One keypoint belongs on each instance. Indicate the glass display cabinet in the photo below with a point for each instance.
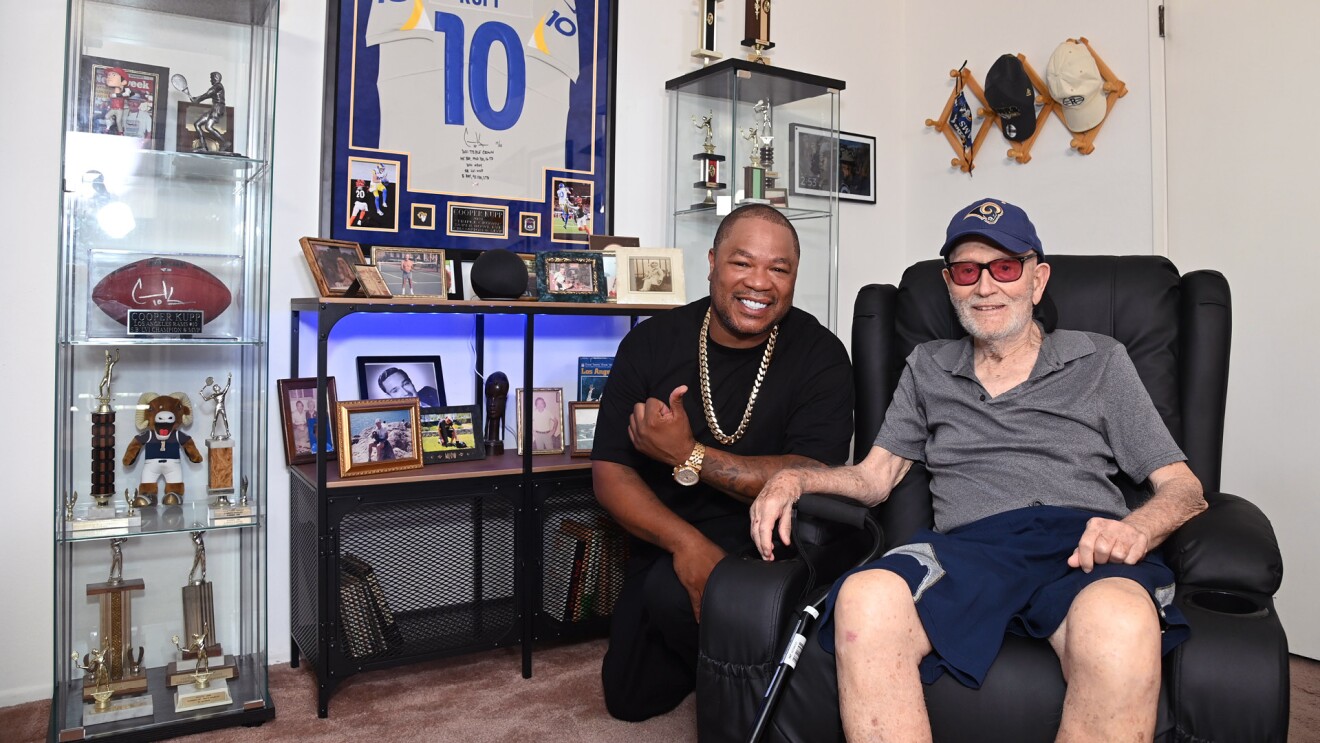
(160, 483)
(745, 133)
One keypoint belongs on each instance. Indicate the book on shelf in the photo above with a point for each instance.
(563, 557)
(586, 565)
(368, 623)
(592, 373)
(380, 605)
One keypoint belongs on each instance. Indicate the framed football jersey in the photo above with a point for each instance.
(473, 111)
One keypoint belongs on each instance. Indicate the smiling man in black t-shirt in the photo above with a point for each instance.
(704, 404)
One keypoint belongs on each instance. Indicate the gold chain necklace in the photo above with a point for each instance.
(706, 401)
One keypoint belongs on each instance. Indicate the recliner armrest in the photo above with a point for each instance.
(1230, 546)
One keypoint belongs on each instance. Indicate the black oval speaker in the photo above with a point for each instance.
(498, 274)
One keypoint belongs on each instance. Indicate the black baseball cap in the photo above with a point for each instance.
(1010, 93)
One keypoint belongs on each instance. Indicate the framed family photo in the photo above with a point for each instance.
(378, 436)
(570, 276)
(812, 172)
(451, 434)
(547, 420)
(651, 276)
(582, 427)
(331, 263)
(299, 417)
(386, 377)
(412, 272)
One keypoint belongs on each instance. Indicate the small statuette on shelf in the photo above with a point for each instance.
(753, 173)
(206, 137)
(119, 664)
(497, 398)
(99, 693)
(705, 50)
(766, 141)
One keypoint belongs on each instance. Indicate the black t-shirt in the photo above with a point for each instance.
(804, 407)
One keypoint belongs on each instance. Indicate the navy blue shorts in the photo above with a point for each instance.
(1005, 573)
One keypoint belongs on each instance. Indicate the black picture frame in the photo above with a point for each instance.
(423, 373)
(468, 434)
(811, 150)
(147, 83)
(571, 276)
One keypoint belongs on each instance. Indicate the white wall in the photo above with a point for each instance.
(895, 57)
(1243, 205)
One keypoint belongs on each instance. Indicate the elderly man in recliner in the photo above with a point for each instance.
(1021, 431)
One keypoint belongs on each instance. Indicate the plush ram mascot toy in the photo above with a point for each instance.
(160, 417)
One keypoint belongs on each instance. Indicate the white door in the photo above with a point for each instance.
(1243, 144)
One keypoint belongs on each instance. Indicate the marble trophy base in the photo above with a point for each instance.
(121, 708)
(104, 519)
(188, 697)
(179, 672)
(224, 513)
(220, 466)
(127, 685)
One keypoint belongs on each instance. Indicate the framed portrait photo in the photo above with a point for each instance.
(519, 101)
(378, 436)
(412, 272)
(570, 276)
(123, 99)
(395, 377)
(331, 263)
(547, 420)
(651, 276)
(531, 294)
(452, 434)
(582, 427)
(299, 416)
(811, 159)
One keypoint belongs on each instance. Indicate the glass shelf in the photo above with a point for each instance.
(187, 517)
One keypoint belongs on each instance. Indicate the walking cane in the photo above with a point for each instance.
(855, 515)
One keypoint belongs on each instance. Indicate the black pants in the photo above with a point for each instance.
(651, 664)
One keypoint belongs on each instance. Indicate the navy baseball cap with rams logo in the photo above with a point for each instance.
(997, 222)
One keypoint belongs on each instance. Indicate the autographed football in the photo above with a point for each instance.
(160, 284)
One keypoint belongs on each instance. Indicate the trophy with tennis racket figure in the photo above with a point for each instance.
(208, 138)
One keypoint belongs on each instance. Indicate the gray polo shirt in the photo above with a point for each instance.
(1056, 439)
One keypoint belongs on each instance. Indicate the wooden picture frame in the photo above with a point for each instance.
(551, 441)
(651, 276)
(331, 263)
(582, 427)
(370, 283)
(377, 436)
(424, 278)
(452, 434)
(609, 245)
(300, 445)
(571, 276)
(422, 377)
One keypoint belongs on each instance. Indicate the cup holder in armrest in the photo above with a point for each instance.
(1226, 602)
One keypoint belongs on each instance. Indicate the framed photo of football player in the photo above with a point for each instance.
(570, 219)
(331, 263)
(372, 195)
(123, 99)
(516, 100)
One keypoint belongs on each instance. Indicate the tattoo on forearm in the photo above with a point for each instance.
(743, 477)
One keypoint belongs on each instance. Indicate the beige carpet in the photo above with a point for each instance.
(483, 698)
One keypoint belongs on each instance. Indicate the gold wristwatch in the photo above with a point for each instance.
(689, 472)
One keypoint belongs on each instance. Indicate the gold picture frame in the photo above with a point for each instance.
(377, 436)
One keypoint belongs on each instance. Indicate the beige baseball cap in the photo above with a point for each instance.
(1074, 81)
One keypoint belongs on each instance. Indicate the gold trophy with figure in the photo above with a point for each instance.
(115, 668)
(199, 621)
(757, 31)
(103, 513)
(708, 162)
(201, 687)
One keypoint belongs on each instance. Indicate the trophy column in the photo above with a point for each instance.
(753, 174)
(705, 50)
(757, 31)
(708, 162)
(115, 669)
(103, 444)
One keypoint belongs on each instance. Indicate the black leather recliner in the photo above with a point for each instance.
(1229, 682)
